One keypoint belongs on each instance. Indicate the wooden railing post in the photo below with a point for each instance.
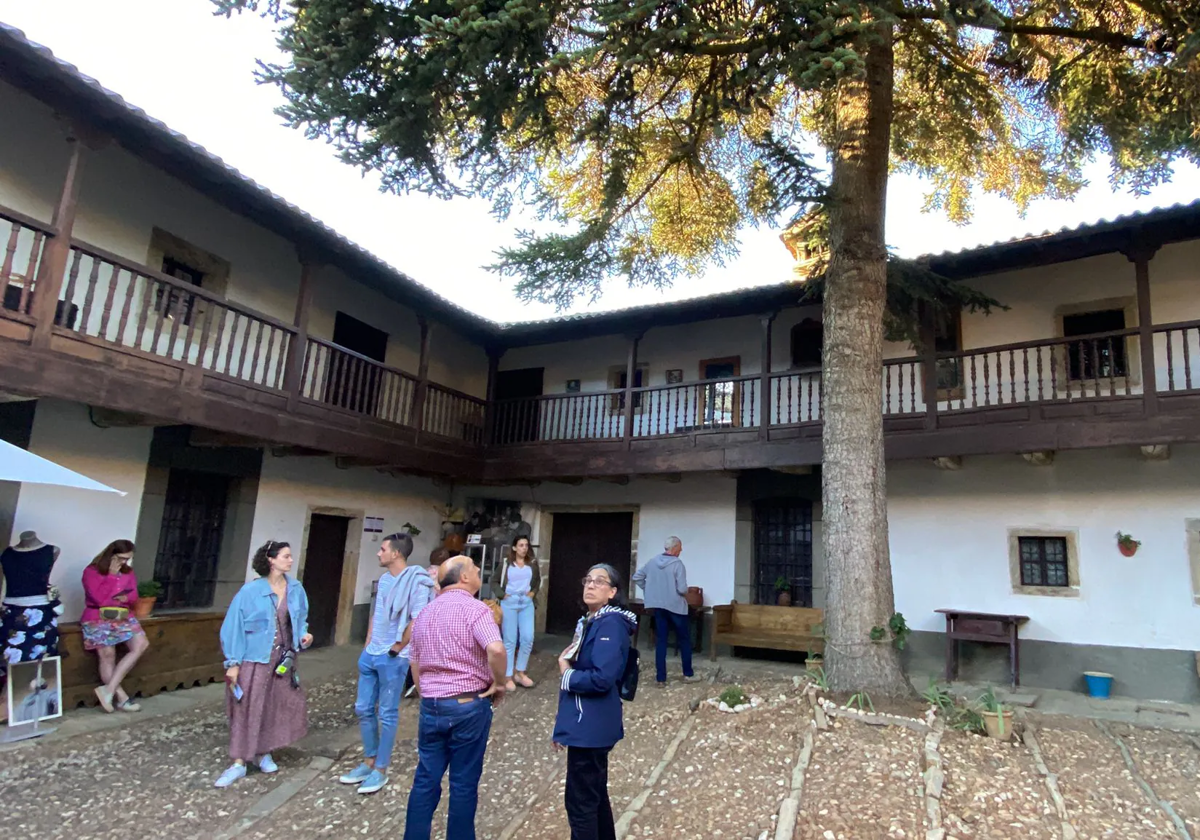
(422, 391)
(928, 339)
(490, 419)
(53, 266)
(630, 373)
(764, 396)
(293, 377)
(1140, 255)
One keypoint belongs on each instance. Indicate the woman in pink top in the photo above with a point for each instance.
(110, 589)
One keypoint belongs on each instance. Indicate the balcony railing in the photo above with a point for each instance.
(23, 239)
(347, 380)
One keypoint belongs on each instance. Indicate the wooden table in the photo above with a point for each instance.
(966, 626)
(695, 619)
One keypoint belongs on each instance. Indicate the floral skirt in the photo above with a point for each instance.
(27, 633)
(106, 633)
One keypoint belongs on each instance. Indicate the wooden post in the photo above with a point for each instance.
(293, 377)
(764, 396)
(489, 422)
(422, 378)
(53, 266)
(630, 372)
(1140, 255)
(928, 337)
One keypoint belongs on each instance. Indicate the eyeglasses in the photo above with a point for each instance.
(595, 581)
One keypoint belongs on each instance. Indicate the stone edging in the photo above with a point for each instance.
(634, 808)
(1180, 827)
(1060, 804)
(933, 778)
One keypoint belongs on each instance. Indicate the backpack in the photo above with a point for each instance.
(628, 685)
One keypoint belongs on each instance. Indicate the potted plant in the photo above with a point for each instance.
(997, 718)
(783, 591)
(148, 592)
(1127, 544)
(814, 662)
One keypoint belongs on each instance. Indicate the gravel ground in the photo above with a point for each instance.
(863, 782)
(153, 778)
(993, 790)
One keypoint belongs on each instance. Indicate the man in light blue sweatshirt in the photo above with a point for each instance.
(664, 581)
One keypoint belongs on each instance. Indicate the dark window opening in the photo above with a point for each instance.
(619, 378)
(189, 542)
(171, 301)
(1095, 358)
(807, 338)
(1043, 561)
(947, 338)
(783, 549)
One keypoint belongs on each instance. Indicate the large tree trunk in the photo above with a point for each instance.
(854, 492)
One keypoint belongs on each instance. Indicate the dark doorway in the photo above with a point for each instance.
(189, 539)
(783, 549)
(517, 420)
(352, 382)
(579, 541)
(324, 557)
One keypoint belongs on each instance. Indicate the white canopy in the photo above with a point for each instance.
(16, 464)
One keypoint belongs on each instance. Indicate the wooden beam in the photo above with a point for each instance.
(418, 415)
(929, 364)
(109, 419)
(1140, 256)
(49, 282)
(210, 438)
(630, 371)
(494, 355)
(293, 376)
(764, 396)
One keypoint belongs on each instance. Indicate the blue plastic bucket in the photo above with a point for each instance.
(1099, 684)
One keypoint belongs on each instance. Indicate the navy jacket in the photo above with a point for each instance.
(589, 707)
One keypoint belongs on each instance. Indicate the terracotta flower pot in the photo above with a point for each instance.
(695, 596)
(1127, 549)
(814, 665)
(991, 722)
(142, 607)
(784, 599)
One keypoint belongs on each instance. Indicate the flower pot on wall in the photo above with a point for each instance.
(695, 596)
(784, 599)
(1127, 549)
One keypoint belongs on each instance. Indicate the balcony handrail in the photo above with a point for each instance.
(446, 389)
(565, 395)
(337, 348)
(185, 287)
(1041, 342)
(1178, 325)
(20, 218)
(695, 383)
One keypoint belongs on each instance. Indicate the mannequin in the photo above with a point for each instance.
(30, 609)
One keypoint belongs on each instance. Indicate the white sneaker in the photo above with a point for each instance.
(231, 775)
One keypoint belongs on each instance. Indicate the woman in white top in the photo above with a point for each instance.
(519, 583)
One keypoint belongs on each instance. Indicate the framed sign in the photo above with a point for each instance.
(474, 539)
(34, 691)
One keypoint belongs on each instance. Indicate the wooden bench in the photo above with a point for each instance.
(768, 627)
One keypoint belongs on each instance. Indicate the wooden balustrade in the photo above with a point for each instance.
(342, 378)
(902, 391)
(1176, 364)
(594, 415)
(23, 239)
(117, 302)
(795, 398)
(706, 405)
(453, 414)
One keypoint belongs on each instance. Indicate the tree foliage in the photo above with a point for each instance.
(652, 131)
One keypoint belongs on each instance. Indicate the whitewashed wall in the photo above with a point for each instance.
(83, 522)
(700, 510)
(290, 487)
(949, 543)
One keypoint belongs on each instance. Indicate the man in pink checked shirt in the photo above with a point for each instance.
(458, 665)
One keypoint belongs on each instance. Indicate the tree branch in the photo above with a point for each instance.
(1094, 35)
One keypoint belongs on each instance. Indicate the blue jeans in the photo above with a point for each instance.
(518, 621)
(380, 683)
(663, 621)
(452, 734)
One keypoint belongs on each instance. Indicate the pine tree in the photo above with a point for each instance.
(654, 131)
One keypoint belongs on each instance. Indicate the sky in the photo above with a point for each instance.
(195, 72)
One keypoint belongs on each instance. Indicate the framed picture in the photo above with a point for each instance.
(572, 386)
(474, 539)
(34, 691)
(674, 377)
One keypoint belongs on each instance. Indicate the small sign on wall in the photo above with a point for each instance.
(373, 525)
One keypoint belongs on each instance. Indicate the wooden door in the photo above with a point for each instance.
(518, 415)
(579, 541)
(324, 557)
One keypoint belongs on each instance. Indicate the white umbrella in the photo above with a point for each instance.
(17, 464)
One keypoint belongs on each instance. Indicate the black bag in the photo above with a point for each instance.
(628, 685)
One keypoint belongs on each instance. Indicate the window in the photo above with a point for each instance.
(618, 376)
(947, 338)
(1043, 561)
(1095, 358)
(177, 301)
(807, 338)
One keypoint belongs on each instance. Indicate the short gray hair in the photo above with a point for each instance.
(672, 543)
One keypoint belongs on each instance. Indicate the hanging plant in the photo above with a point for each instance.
(1127, 544)
(410, 528)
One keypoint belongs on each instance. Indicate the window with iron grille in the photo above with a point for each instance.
(1044, 561)
(177, 301)
(189, 542)
(783, 549)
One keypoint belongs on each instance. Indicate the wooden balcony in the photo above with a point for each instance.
(131, 339)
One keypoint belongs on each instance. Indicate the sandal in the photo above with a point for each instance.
(105, 698)
(524, 681)
(128, 706)
(510, 686)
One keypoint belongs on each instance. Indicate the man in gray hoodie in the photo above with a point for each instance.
(664, 580)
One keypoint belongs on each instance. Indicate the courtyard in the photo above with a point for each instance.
(685, 770)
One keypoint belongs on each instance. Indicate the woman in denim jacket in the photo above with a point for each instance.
(267, 623)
